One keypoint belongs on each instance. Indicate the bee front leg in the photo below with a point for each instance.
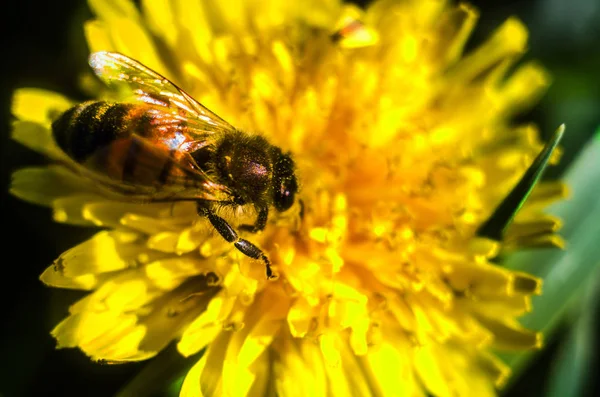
(261, 221)
(230, 235)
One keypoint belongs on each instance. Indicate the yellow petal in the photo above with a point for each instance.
(487, 280)
(354, 372)
(343, 373)
(167, 315)
(510, 335)
(495, 368)
(299, 359)
(187, 240)
(428, 369)
(43, 185)
(97, 37)
(455, 27)
(191, 238)
(391, 371)
(300, 317)
(262, 323)
(237, 380)
(70, 209)
(103, 336)
(109, 9)
(508, 41)
(119, 28)
(54, 278)
(464, 378)
(194, 26)
(129, 38)
(262, 333)
(146, 224)
(159, 16)
(164, 242)
(38, 106)
(211, 377)
(36, 137)
(548, 192)
(191, 383)
(524, 88)
(110, 212)
(103, 253)
(320, 13)
(230, 16)
(168, 272)
(329, 344)
(124, 292)
(262, 377)
(352, 31)
(144, 320)
(358, 337)
(205, 328)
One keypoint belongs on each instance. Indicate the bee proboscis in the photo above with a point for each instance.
(163, 145)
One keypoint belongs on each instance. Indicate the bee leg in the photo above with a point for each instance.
(261, 221)
(251, 250)
(230, 235)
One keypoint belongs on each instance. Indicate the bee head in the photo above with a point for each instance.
(284, 179)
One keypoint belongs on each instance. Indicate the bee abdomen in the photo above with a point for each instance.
(85, 128)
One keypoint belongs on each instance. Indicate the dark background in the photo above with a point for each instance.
(43, 46)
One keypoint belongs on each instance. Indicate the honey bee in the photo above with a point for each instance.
(162, 145)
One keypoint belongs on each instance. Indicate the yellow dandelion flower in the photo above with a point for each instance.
(403, 146)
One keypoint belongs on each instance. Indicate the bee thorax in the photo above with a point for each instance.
(244, 164)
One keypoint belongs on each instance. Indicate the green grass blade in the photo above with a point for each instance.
(503, 215)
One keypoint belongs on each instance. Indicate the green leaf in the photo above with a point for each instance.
(571, 367)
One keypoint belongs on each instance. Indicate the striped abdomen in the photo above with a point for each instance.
(126, 142)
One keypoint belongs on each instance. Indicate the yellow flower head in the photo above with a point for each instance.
(403, 148)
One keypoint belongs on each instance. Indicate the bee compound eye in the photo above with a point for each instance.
(284, 198)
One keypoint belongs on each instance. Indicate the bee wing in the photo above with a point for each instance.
(118, 70)
(147, 172)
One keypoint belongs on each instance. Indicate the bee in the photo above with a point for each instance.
(162, 145)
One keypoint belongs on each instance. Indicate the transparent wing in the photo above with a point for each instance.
(143, 171)
(120, 71)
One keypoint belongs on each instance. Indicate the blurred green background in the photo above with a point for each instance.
(43, 46)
